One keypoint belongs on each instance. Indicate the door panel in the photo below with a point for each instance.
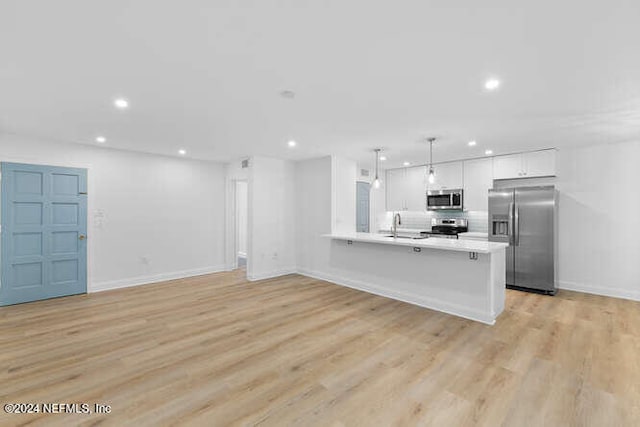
(535, 244)
(44, 216)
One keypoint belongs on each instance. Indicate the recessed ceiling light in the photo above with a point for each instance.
(406, 164)
(472, 143)
(182, 152)
(291, 143)
(492, 84)
(488, 152)
(121, 103)
(101, 139)
(383, 158)
(288, 94)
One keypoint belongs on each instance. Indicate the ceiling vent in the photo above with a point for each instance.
(245, 163)
(364, 172)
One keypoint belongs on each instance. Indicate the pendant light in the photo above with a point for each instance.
(376, 181)
(432, 173)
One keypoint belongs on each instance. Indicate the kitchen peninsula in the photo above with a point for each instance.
(465, 278)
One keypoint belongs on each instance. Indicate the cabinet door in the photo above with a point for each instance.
(416, 188)
(478, 179)
(448, 176)
(395, 186)
(540, 163)
(507, 167)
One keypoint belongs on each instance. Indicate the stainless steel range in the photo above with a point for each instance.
(448, 228)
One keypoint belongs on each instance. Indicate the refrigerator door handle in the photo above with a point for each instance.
(516, 225)
(511, 226)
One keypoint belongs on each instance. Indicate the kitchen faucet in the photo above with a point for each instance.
(396, 222)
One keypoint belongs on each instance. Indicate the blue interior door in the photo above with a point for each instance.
(44, 227)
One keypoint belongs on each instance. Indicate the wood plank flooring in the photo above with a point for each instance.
(217, 350)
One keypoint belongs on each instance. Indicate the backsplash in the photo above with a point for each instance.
(478, 220)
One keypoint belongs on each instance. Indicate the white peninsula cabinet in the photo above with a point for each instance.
(406, 189)
(478, 179)
(525, 165)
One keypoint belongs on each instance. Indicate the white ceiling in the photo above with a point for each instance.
(206, 75)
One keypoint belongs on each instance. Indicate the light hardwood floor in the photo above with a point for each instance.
(217, 350)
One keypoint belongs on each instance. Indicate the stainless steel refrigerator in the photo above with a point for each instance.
(525, 218)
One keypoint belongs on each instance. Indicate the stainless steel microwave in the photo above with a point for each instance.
(445, 200)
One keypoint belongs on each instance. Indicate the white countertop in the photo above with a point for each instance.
(405, 230)
(430, 243)
(474, 234)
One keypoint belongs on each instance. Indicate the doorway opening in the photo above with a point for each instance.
(241, 213)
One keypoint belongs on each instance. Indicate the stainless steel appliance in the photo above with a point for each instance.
(448, 228)
(525, 219)
(444, 200)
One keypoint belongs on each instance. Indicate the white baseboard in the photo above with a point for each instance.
(144, 280)
(600, 290)
(430, 303)
(242, 254)
(271, 274)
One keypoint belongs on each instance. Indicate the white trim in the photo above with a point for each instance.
(271, 274)
(600, 290)
(242, 254)
(430, 303)
(144, 280)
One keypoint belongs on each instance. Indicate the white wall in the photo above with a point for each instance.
(241, 212)
(313, 213)
(150, 217)
(326, 203)
(344, 172)
(599, 219)
(271, 225)
(377, 198)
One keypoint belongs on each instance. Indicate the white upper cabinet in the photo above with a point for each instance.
(540, 163)
(507, 167)
(416, 188)
(448, 176)
(406, 189)
(478, 179)
(525, 165)
(395, 189)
